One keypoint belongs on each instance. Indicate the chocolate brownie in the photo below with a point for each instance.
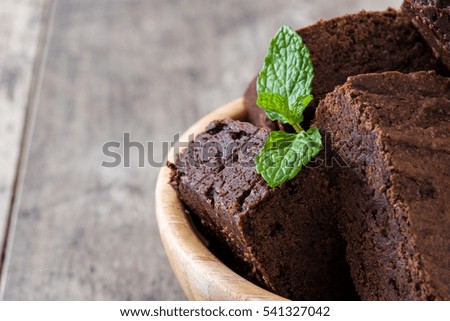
(393, 131)
(432, 19)
(284, 235)
(354, 44)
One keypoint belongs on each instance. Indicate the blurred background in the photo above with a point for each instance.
(75, 74)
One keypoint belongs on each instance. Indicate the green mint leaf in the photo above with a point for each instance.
(284, 154)
(277, 107)
(285, 81)
(284, 91)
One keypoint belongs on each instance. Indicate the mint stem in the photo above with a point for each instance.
(297, 128)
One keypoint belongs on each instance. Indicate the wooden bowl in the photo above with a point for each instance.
(201, 274)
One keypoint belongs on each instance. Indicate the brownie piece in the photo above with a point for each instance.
(285, 235)
(432, 19)
(365, 42)
(393, 198)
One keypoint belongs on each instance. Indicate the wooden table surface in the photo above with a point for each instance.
(75, 74)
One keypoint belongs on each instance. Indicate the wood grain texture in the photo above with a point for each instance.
(148, 68)
(20, 25)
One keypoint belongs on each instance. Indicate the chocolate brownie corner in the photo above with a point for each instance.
(286, 235)
(432, 19)
(392, 130)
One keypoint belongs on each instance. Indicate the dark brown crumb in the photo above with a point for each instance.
(285, 236)
(393, 131)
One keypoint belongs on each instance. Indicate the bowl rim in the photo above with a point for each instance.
(212, 279)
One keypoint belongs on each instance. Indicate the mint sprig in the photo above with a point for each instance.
(284, 154)
(286, 77)
(285, 90)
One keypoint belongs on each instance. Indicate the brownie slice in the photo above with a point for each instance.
(432, 19)
(365, 42)
(285, 235)
(393, 198)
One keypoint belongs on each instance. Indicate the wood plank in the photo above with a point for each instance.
(148, 68)
(20, 22)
